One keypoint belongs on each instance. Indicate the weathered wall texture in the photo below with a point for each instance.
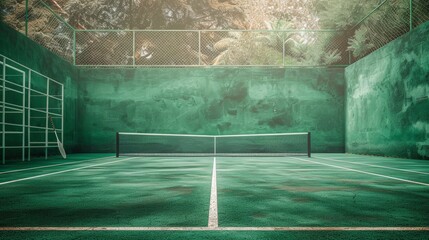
(21, 49)
(387, 99)
(211, 101)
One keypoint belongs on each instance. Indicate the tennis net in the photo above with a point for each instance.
(153, 144)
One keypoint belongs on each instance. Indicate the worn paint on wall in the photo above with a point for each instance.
(21, 49)
(211, 101)
(100, 102)
(387, 99)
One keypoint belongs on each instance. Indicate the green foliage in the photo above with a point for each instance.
(160, 14)
(266, 48)
(359, 44)
(331, 57)
(248, 48)
(383, 25)
(340, 14)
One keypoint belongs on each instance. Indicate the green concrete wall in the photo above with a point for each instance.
(99, 102)
(387, 99)
(211, 101)
(21, 49)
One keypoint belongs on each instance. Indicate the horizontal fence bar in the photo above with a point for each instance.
(12, 124)
(26, 147)
(213, 66)
(13, 90)
(17, 107)
(50, 113)
(209, 30)
(12, 83)
(43, 142)
(12, 107)
(12, 132)
(13, 112)
(41, 145)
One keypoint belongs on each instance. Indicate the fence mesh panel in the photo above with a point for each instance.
(104, 48)
(43, 26)
(391, 19)
(167, 48)
(242, 48)
(420, 11)
(315, 48)
(387, 23)
(50, 31)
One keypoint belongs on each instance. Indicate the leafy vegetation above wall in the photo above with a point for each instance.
(359, 35)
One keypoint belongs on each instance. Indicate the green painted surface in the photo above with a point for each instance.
(388, 99)
(294, 192)
(252, 192)
(211, 101)
(217, 235)
(113, 192)
(19, 48)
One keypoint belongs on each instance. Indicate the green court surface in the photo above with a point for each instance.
(327, 196)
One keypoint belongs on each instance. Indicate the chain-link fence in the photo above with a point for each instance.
(158, 48)
(104, 48)
(210, 48)
(391, 19)
(50, 30)
(419, 12)
(35, 19)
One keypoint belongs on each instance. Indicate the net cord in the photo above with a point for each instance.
(308, 134)
(212, 136)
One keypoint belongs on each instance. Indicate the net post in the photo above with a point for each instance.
(309, 144)
(117, 144)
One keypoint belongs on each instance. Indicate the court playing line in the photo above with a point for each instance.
(371, 165)
(368, 173)
(213, 215)
(214, 229)
(53, 165)
(64, 171)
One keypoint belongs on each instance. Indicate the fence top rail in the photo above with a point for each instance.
(209, 30)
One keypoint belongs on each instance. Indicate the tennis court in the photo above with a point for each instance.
(335, 195)
(214, 119)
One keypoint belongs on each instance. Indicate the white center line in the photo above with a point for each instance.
(213, 217)
(364, 172)
(64, 171)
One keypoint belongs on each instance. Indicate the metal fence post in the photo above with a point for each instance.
(134, 48)
(411, 15)
(199, 47)
(283, 48)
(74, 47)
(26, 17)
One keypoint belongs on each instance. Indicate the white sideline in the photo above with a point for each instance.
(53, 165)
(364, 172)
(372, 165)
(64, 171)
